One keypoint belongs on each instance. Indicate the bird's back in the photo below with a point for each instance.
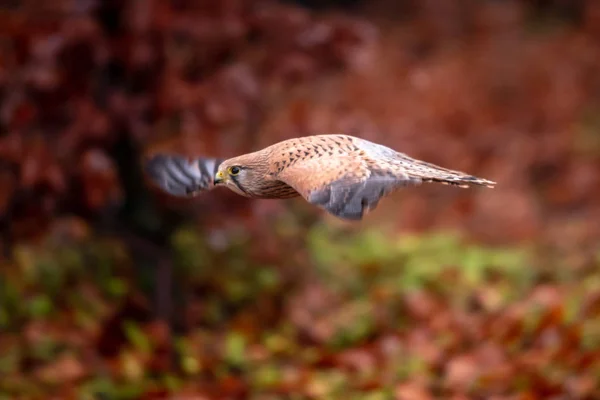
(316, 146)
(379, 159)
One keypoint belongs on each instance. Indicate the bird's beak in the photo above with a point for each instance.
(218, 178)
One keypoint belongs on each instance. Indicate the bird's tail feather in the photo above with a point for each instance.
(428, 172)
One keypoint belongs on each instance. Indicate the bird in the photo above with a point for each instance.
(344, 175)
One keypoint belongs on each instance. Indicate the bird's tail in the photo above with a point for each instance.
(428, 172)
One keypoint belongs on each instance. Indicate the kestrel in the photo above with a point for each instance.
(342, 174)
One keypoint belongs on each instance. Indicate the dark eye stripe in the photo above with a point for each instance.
(234, 179)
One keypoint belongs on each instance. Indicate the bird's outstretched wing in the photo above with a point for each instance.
(350, 185)
(180, 176)
(346, 186)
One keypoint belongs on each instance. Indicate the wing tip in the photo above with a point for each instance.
(178, 175)
(483, 182)
(465, 182)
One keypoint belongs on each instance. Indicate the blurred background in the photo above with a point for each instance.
(110, 289)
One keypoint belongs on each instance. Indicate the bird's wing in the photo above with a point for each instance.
(346, 185)
(180, 176)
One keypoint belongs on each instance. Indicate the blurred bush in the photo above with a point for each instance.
(420, 317)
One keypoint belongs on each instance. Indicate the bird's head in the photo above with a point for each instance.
(242, 175)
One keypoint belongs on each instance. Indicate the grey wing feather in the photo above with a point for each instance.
(351, 199)
(180, 176)
(345, 186)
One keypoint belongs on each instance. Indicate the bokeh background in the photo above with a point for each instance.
(110, 289)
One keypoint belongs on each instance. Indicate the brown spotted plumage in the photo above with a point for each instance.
(344, 175)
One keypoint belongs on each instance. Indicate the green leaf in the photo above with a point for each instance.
(235, 349)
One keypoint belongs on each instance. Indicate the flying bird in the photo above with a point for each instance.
(344, 175)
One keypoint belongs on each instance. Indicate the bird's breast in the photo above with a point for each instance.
(274, 189)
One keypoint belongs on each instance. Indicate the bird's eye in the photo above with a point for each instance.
(234, 170)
